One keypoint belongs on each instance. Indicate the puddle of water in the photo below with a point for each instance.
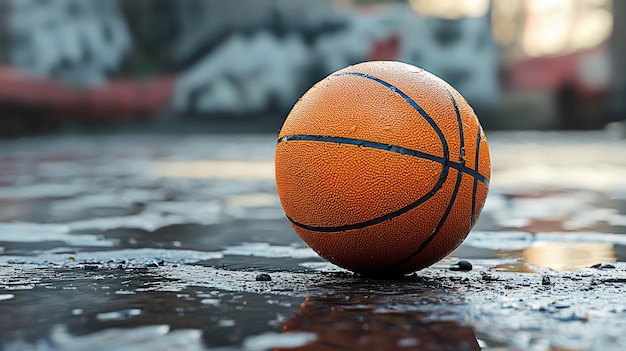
(275, 341)
(153, 337)
(146, 221)
(127, 258)
(559, 251)
(42, 191)
(118, 315)
(270, 251)
(519, 267)
(4, 297)
(553, 209)
(41, 233)
(561, 256)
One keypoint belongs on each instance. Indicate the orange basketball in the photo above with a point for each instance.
(382, 168)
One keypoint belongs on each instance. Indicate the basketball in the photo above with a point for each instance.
(382, 168)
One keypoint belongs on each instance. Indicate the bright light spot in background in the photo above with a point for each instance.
(559, 26)
(547, 26)
(214, 169)
(592, 29)
(450, 9)
(504, 16)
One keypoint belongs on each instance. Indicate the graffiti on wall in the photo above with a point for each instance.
(261, 68)
(72, 40)
(250, 73)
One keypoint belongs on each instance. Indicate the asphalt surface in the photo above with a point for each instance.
(169, 242)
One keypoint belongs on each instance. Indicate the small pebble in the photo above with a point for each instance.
(488, 277)
(263, 277)
(545, 280)
(153, 264)
(462, 265)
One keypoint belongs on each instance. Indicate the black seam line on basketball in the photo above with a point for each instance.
(475, 180)
(461, 139)
(415, 105)
(432, 236)
(364, 143)
(383, 218)
(460, 124)
(457, 185)
(385, 147)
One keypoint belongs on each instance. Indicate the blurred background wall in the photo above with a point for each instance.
(522, 64)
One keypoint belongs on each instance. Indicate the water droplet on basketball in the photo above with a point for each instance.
(352, 129)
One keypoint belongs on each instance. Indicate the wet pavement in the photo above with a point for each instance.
(126, 242)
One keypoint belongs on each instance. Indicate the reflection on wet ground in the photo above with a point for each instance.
(124, 242)
(357, 321)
